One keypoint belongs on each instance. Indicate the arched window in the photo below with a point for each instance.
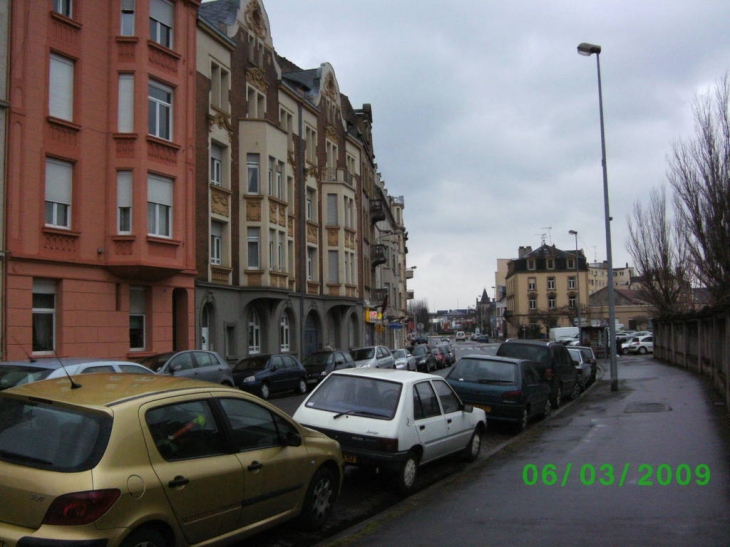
(284, 333)
(254, 333)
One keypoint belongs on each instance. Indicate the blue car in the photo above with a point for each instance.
(264, 374)
(508, 390)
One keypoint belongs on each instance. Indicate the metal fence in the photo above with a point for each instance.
(699, 342)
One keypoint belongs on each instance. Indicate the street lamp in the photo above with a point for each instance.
(588, 50)
(577, 284)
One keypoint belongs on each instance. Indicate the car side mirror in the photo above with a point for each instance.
(292, 439)
(468, 408)
(175, 368)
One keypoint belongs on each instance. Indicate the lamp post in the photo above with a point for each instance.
(588, 50)
(577, 285)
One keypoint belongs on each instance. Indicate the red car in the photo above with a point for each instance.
(441, 358)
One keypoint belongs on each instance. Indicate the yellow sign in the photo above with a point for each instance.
(372, 316)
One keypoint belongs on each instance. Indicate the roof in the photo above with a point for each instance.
(402, 376)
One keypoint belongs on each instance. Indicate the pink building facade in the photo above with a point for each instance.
(100, 243)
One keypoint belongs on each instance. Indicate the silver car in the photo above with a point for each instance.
(404, 360)
(195, 364)
(373, 357)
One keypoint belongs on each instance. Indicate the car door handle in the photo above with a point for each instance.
(421, 427)
(178, 481)
(255, 466)
(448, 421)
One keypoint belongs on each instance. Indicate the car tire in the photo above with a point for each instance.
(302, 386)
(145, 537)
(524, 420)
(471, 450)
(265, 391)
(319, 500)
(406, 473)
(547, 410)
(557, 399)
(642, 350)
(625, 351)
(577, 390)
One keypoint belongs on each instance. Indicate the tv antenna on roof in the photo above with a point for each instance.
(550, 237)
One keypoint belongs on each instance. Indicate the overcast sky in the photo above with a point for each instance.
(486, 118)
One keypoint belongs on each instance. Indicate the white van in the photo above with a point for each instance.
(461, 335)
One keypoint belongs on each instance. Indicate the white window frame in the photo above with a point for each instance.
(254, 333)
(216, 164)
(333, 266)
(138, 310)
(162, 19)
(311, 262)
(160, 115)
(61, 87)
(332, 210)
(125, 186)
(127, 23)
(64, 7)
(272, 250)
(253, 174)
(551, 283)
(58, 193)
(571, 283)
(160, 199)
(41, 311)
(125, 105)
(310, 204)
(532, 303)
(216, 243)
(551, 303)
(253, 246)
(284, 333)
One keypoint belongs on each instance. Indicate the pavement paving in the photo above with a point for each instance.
(645, 465)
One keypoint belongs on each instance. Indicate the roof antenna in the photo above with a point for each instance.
(74, 385)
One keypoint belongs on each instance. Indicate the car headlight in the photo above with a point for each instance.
(249, 379)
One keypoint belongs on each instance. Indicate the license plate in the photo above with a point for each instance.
(485, 408)
(349, 458)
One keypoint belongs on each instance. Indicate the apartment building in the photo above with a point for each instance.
(287, 199)
(4, 104)
(543, 289)
(99, 211)
(623, 277)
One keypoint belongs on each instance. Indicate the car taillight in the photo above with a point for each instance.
(388, 445)
(548, 374)
(80, 507)
(512, 395)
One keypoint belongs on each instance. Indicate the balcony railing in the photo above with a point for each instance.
(378, 255)
(377, 210)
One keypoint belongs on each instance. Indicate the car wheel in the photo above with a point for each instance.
(625, 351)
(319, 500)
(524, 420)
(547, 410)
(406, 474)
(302, 387)
(471, 451)
(557, 399)
(265, 392)
(146, 537)
(577, 390)
(642, 350)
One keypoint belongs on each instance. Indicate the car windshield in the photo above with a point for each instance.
(316, 359)
(363, 353)
(46, 436)
(400, 354)
(251, 363)
(420, 350)
(355, 395)
(538, 354)
(12, 375)
(484, 371)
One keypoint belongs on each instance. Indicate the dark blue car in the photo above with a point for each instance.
(265, 374)
(508, 390)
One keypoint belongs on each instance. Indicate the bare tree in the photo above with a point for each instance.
(418, 309)
(660, 256)
(699, 172)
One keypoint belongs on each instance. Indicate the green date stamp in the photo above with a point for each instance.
(608, 474)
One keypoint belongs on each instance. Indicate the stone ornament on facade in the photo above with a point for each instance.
(255, 19)
(257, 78)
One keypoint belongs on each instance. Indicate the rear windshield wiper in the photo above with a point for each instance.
(359, 413)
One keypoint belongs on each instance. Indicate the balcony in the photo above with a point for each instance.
(377, 255)
(378, 296)
(377, 210)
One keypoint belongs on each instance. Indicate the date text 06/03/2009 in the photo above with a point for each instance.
(608, 475)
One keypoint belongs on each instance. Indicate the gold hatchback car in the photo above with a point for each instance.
(154, 461)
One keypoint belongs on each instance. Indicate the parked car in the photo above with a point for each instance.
(585, 353)
(439, 354)
(404, 360)
(552, 361)
(483, 338)
(449, 352)
(393, 420)
(15, 373)
(508, 390)
(641, 345)
(373, 357)
(265, 374)
(461, 336)
(425, 360)
(195, 364)
(582, 366)
(320, 363)
(158, 462)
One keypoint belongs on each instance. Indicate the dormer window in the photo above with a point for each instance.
(531, 264)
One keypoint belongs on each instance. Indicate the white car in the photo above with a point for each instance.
(641, 345)
(394, 420)
(461, 336)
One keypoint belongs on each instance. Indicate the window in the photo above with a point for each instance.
(256, 103)
(272, 250)
(254, 333)
(310, 205)
(272, 176)
(63, 7)
(127, 19)
(254, 248)
(59, 176)
(280, 252)
(571, 264)
(125, 107)
(137, 314)
(124, 202)
(160, 110)
(331, 153)
(284, 333)
(310, 152)
(161, 14)
(551, 283)
(230, 341)
(254, 427)
(571, 302)
(252, 161)
(219, 79)
(216, 164)
(44, 315)
(531, 284)
(550, 264)
(571, 282)
(61, 88)
(533, 303)
(159, 206)
(332, 216)
(551, 303)
(333, 262)
(216, 243)
(311, 263)
(280, 189)
(425, 401)
(530, 264)
(176, 440)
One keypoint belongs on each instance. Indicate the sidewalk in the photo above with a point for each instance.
(663, 437)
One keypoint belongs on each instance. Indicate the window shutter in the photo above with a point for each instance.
(159, 190)
(161, 11)
(61, 83)
(58, 181)
(124, 189)
(332, 209)
(125, 113)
